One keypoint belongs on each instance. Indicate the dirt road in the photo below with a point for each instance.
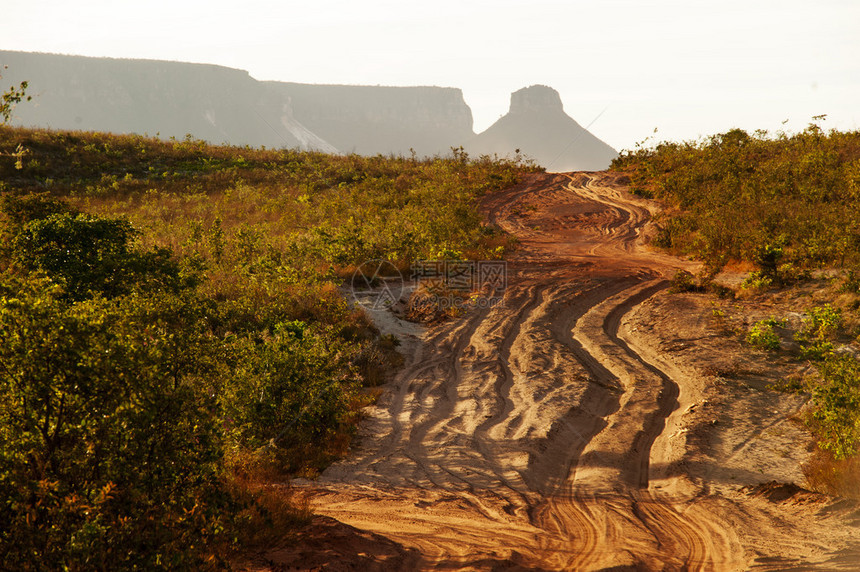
(551, 433)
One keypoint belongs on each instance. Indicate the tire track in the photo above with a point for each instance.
(523, 435)
(687, 546)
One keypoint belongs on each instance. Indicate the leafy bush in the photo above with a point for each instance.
(109, 443)
(294, 387)
(756, 280)
(837, 401)
(21, 209)
(763, 336)
(767, 256)
(818, 330)
(93, 255)
(684, 281)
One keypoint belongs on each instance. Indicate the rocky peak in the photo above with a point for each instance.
(538, 127)
(535, 98)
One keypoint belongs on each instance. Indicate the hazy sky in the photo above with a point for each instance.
(624, 67)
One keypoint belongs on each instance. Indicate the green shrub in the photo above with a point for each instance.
(756, 280)
(110, 446)
(851, 282)
(91, 255)
(768, 257)
(21, 209)
(684, 281)
(837, 401)
(818, 331)
(762, 335)
(293, 387)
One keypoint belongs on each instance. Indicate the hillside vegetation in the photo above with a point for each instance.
(785, 203)
(784, 206)
(172, 331)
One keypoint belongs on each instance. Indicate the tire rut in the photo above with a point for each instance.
(523, 435)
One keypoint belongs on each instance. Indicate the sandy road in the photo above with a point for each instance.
(540, 435)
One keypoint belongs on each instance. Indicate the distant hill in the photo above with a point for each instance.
(225, 105)
(537, 125)
(171, 99)
(369, 120)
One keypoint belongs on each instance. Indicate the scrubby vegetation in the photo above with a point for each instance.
(763, 336)
(785, 206)
(172, 330)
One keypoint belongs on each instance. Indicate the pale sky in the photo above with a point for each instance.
(623, 67)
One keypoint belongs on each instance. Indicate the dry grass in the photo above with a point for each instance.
(827, 475)
(272, 512)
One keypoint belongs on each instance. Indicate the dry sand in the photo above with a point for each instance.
(583, 425)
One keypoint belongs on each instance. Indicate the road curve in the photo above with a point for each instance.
(522, 436)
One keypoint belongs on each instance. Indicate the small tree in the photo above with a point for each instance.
(11, 98)
(768, 256)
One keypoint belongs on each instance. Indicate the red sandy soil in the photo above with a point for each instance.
(586, 424)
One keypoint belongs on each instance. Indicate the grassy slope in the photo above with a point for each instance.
(270, 227)
(273, 234)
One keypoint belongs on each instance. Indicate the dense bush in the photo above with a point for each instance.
(784, 203)
(837, 400)
(763, 336)
(109, 448)
(93, 255)
(819, 329)
(294, 387)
